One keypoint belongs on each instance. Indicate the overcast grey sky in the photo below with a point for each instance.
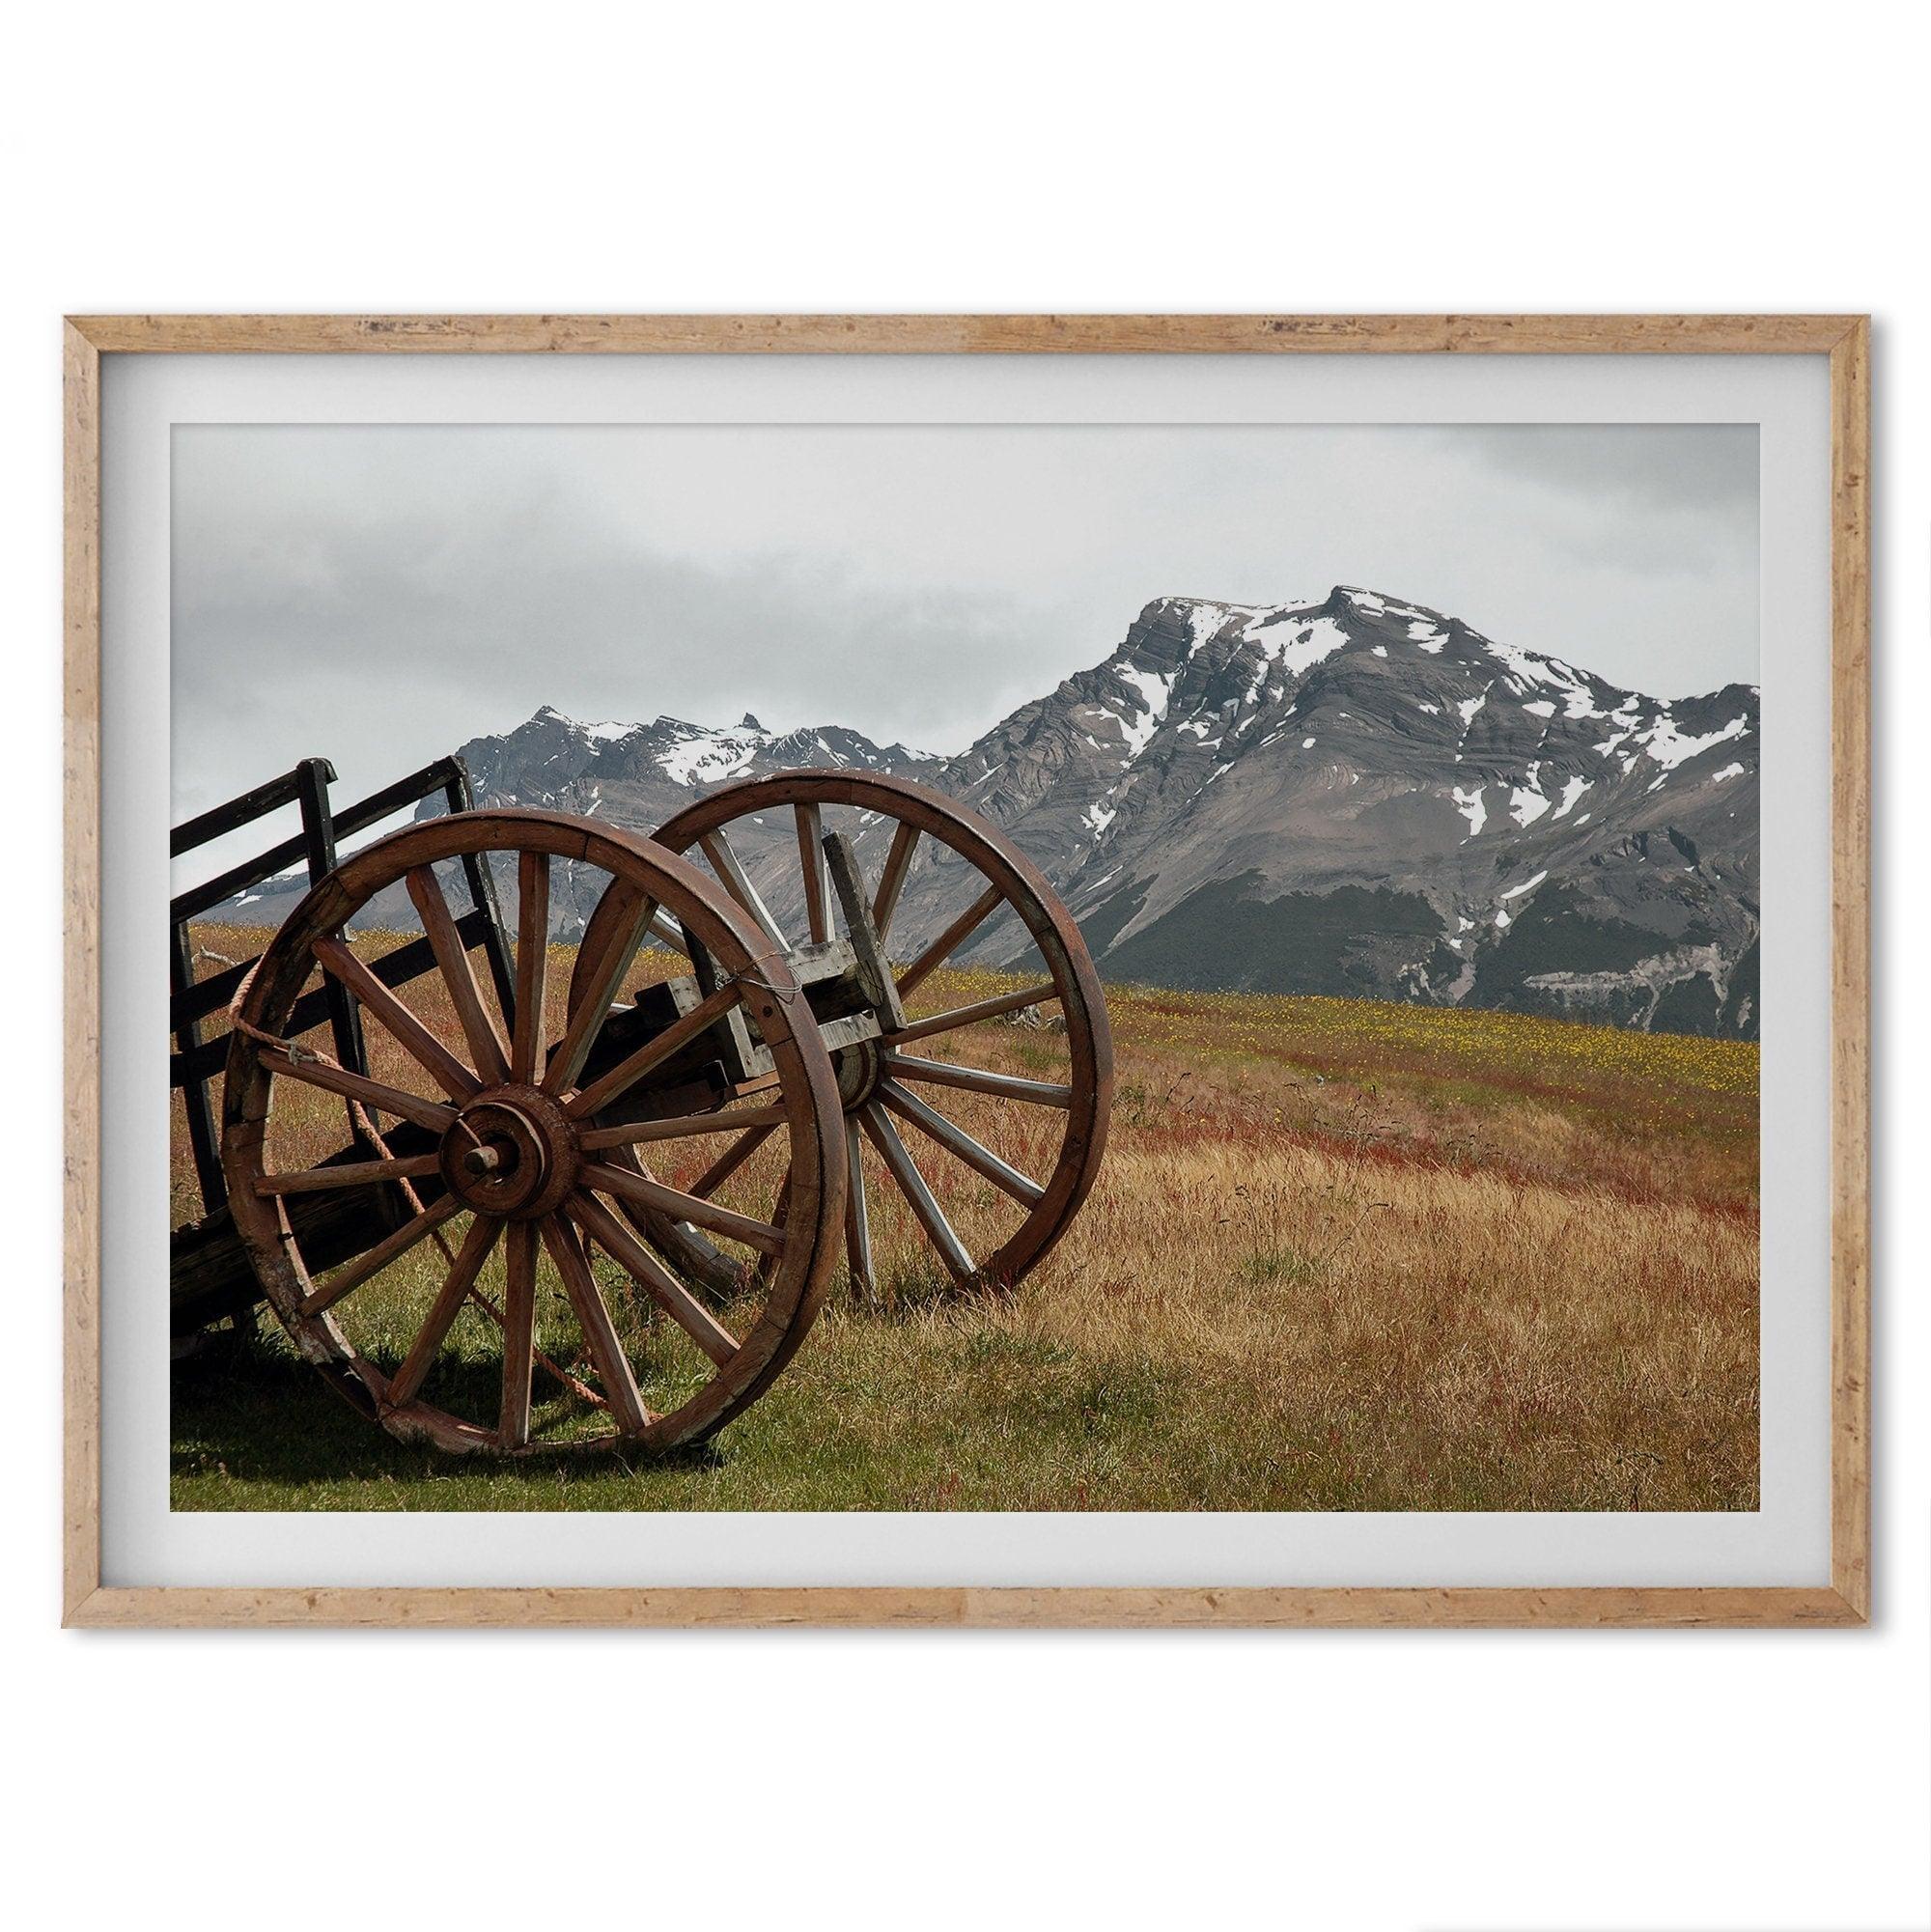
(379, 594)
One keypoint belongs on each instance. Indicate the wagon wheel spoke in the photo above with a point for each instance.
(366, 1266)
(519, 1325)
(396, 1020)
(571, 1385)
(593, 1318)
(979, 1081)
(899, 1163)
(780, 1214)
(479, 1025)
(670, 932)
(810, 823)
(732, 1159)
(448, 1304)
(956, 1140)
(967, 1015)
(347, 1174)
(641, 1191)
(719, 849)
(679, 1127)
(653, 1278)
(627, 1072)
(891, 880)
(952, 938)
(857, 1222)
(292, 1063)
(600, 979)
(532, 963)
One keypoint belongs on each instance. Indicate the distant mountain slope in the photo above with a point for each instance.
(1348, 796)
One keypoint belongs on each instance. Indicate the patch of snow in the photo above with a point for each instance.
(1299, 652)
(1670, 745)
(1572, 790)
(1540, 707)
(1381, 649)
(1526, 886)
(1307, 745)
(1470, 804)
(1154, 688)
(1100, 817)
(1502, 919)
(1469, 707)
(1527, 807)
(1433, 711)
(704, 757)
(1729, 772)
(1382, 607)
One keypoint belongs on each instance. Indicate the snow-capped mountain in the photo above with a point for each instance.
(638, 774)
(1354, 794)
(1351, 795)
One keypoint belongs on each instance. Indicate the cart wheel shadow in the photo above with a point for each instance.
(258, 1416)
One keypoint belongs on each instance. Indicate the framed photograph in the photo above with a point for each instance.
(967, 970)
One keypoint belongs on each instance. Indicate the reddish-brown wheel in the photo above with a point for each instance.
(964, 1019)
(450, 1235)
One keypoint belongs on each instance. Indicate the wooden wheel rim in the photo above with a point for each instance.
(794, 1289)
(1024, 888)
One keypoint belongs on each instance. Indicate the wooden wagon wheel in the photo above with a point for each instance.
(766, 842)
(466, 1116)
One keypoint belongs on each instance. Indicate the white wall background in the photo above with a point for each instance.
(840, 158)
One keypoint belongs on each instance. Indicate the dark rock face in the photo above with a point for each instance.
(1351, 796)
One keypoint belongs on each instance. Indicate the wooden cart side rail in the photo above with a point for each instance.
(197, 1061)
(446, 775)
(216, 992)
(220, 820)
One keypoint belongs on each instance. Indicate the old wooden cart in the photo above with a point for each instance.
(664, 1131)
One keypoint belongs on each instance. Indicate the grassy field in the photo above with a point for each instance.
(1342, 1256)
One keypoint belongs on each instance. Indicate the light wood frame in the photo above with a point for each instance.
(1845, 339)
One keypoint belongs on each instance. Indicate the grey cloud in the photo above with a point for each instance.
(380, 594)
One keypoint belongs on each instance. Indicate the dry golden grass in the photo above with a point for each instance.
(1341, 1255)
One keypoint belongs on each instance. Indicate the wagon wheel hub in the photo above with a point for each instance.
(859, 1067)
(511, 1153)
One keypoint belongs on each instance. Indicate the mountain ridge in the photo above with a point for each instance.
(1346, 795)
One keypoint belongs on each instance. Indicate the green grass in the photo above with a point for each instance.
(1340, 1256)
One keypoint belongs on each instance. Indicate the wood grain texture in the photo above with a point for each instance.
(961, 1608)
(80, 1065)
(962, 334)
(1850, 967)
(1844, 338)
